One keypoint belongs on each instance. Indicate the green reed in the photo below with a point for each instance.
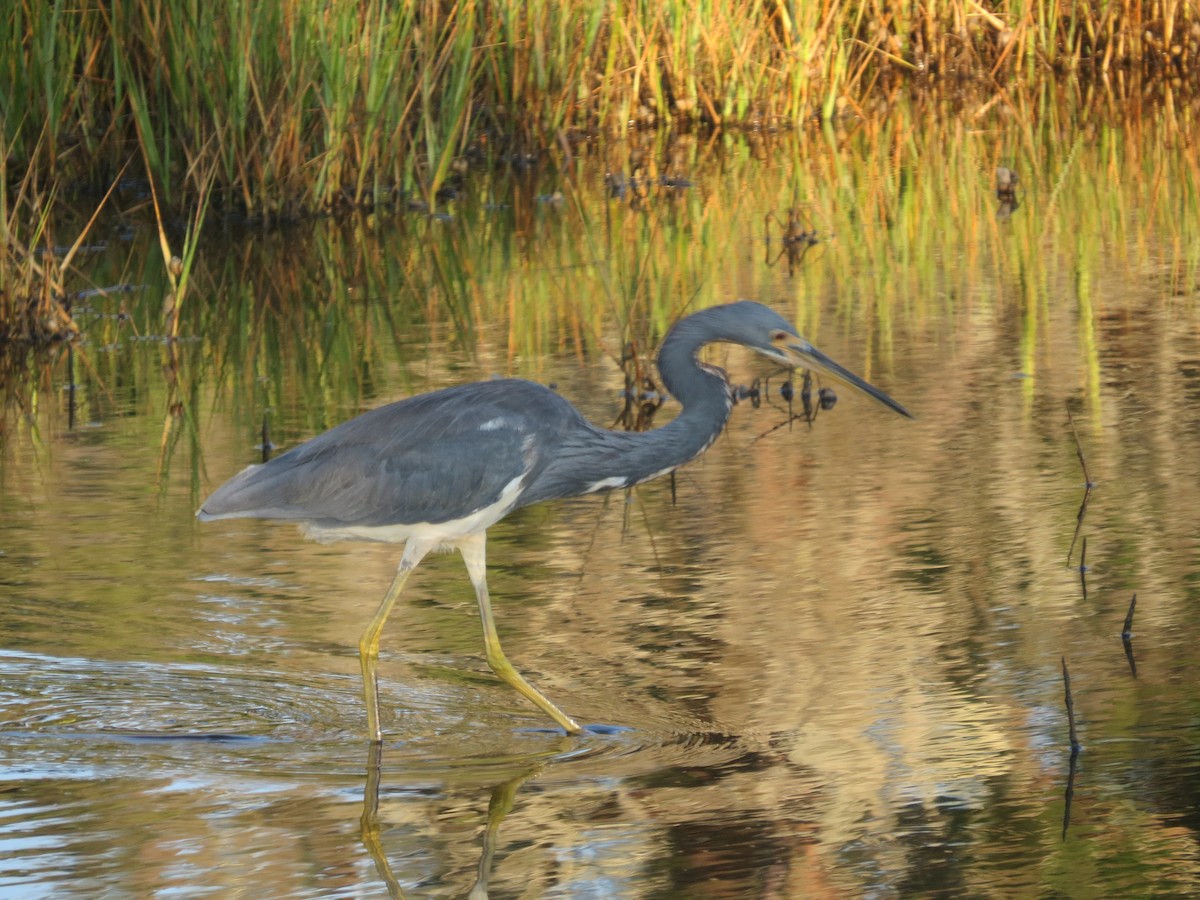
(272, 112)
(312, 105)
(319, 322)
(887, 204)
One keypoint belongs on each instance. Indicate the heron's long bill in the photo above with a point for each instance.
(804, 355)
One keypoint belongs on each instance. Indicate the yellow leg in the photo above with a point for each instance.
(474, 555)
(368, 644)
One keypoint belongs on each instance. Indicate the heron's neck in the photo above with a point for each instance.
(591, 459)
(702, 390)
(630, 458)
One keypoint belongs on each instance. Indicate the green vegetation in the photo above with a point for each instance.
(310, 105)
(273, 111)
(351, 309)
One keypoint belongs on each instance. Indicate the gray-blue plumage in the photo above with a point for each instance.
(440, 468)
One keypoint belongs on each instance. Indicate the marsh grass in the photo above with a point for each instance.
(34, 308)
(269, 112)
(280, 109)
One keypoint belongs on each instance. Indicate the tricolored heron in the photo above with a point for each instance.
(437, 470)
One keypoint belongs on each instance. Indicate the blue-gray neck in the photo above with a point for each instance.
(595, 459)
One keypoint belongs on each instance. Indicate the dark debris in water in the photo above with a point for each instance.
(597, 729)
(170, 737)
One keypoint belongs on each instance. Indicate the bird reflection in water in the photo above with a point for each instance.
(503, 798)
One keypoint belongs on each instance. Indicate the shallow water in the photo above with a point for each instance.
(829, 660)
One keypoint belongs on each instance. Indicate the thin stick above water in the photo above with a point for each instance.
(1083, 569)
(1127, 629)
(1079, 450)
(1127, 637)
(1075, 745)
(1087, 490)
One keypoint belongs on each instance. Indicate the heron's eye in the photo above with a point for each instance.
(778, 336)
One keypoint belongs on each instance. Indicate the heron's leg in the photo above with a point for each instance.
(368, 644)
(474, 555)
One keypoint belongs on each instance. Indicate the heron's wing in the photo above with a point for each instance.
(430, 458)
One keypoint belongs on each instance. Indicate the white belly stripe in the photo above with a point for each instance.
(441, 534)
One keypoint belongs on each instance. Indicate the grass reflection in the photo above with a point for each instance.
(892, 655)
(343, 313)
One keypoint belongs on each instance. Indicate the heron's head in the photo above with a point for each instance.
(770, 334)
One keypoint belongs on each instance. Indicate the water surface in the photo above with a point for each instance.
(831, 654)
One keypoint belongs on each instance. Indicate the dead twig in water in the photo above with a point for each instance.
(1127, 636)
(1075, 745)
(1075, 748)
(1087, 490)
(1083, 568)
(1079, 450)
(1127, 629)
(1069, 794)
(1087, 493)
(266, 446)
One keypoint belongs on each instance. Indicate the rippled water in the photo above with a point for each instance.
(829, 666)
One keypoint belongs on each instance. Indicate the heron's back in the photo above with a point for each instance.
(433, 458)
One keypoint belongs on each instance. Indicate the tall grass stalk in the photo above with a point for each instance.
(315, 105)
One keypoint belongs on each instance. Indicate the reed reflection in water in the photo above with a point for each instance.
(836, 650)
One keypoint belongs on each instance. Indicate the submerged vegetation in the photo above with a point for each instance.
(269, 112)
